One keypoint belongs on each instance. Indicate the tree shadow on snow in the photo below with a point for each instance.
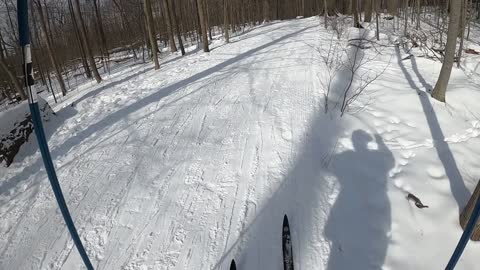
(122, 113)
(457, 185)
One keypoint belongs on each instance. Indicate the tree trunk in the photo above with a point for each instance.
(204, 26)
(147, 6)
(86, 69)
(266, 10)
(53, 60)
(467, 212)
(168, 22)
(103, 40)
(176, 26)
(86, 44)
(463, 20)
(225, 21)
(13, 79)
(9, 73)
(405, 10)
(368, 11)
(392, 6)
(438, 92)
(325, 13)
(356, 22)
(418, 14)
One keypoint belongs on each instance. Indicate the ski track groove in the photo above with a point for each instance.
(188, 212)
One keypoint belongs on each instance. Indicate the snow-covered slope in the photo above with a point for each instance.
(195, 164)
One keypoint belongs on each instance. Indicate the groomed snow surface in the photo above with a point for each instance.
(195, 164)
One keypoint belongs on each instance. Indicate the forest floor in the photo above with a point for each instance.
(195, 164)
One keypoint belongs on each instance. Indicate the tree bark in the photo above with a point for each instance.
(463, 20)
(53, 60)
(467, 212)
(438, 92)
(266, 10)
(368, 11)
(225, 21)
(13, 79)
(11, 75)
(176, 26)
(405, 10)
(325, 13)
(168, 22)
(204, 26)
(392, 6)
(356, 22)
(418, 14)
(147, 6)
(101, 31)
(86, 44)
(86, 69)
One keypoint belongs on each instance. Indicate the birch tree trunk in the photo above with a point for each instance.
(438, 92)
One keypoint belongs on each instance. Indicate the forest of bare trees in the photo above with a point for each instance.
(79, 37)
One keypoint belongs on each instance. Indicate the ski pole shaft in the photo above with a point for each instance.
(22, 12)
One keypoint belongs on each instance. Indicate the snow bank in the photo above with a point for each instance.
(15, 128)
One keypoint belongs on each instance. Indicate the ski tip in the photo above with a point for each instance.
(285, 220)
(233, 266)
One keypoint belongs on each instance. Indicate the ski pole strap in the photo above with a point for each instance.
(24, 38)
(28, 74)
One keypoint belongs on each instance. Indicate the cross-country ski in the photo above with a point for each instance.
(287, 245)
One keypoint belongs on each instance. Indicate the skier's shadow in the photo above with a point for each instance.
(360, 219)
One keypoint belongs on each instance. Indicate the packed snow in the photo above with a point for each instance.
(195, 164)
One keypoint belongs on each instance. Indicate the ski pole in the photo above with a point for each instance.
(22, 15)
(465, 236)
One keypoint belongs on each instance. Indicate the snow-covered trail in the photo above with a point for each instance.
(195, 164)
(182, 168)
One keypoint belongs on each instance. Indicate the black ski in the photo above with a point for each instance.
(287, 245)
(233, 266)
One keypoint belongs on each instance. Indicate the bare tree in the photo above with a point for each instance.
(51, 54)
(368, 10)
(438, 92)
(151, 31)
(225, 21)
(176, 25)
(467, 213)
(86, 44)
(266, 10)
(168, 22)
(204, 24)
(10, 73)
